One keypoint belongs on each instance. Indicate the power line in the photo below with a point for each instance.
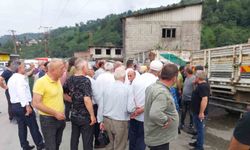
(14, 40)
(60, 14)
(82, 8)
(42, 10)
(46, 32)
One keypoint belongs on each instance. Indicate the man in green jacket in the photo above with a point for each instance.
(161, 118)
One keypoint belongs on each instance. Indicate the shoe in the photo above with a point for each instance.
(30, 147)
(179, 131)
(195, 148)
(41, 147)
(99, 146)
(194, 137)
(193, 144)
(192, 132)
(13, 121)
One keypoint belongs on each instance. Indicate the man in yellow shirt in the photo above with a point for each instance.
(48, 99)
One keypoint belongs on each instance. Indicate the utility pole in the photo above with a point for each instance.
(90, 36)
(46, 31)
(14, 40)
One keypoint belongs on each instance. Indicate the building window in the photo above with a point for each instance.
(118, 51)
(98, 51)
(108, 51)
(168, 32)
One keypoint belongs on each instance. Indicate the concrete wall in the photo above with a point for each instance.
(103, 53)
(142, 33)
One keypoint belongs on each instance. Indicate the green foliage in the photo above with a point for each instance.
(64, 41)
(225, 22)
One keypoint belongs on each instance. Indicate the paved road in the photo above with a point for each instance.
(219, 131)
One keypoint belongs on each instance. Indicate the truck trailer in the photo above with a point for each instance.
(228, 70)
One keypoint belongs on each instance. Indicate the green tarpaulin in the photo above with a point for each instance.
(174, 59)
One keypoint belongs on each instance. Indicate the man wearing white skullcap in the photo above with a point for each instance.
(136, 106)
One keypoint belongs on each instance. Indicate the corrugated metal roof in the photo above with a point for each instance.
(160, 9)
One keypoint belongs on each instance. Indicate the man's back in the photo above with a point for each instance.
(102, 82)
(115, 100)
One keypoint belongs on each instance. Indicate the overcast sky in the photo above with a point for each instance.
(28, 15)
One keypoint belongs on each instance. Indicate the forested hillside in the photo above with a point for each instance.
(224, 22)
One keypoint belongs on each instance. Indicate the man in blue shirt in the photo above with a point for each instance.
(4, 78)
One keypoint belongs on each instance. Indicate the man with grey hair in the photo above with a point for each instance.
(90, 74)
(104, 79)
(113, 111)
(139, 85)
(20, 98)
(199, 103)
(78, 87)
(117, 64)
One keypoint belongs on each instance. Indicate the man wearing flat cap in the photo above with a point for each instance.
(139, 85)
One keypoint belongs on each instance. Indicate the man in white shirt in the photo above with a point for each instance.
(100, 69)
(104, 79)
(130, 65)
(139, 85)
(20, 98)
(113, 113)
(90, 74)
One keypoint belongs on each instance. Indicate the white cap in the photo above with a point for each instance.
(156, 65)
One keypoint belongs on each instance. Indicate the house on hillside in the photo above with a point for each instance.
(106, 52)
(31, 42)
(175, 27)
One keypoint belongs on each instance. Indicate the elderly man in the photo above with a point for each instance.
(104, 79)
(161, 118)
(79, 88)
(130, 65)
(139, 85)
(48, 99)
(113, 112)
(20, 98)
(131, 75)
(90, 74)
(199, 103)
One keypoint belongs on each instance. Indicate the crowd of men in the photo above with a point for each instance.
(139, 106)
